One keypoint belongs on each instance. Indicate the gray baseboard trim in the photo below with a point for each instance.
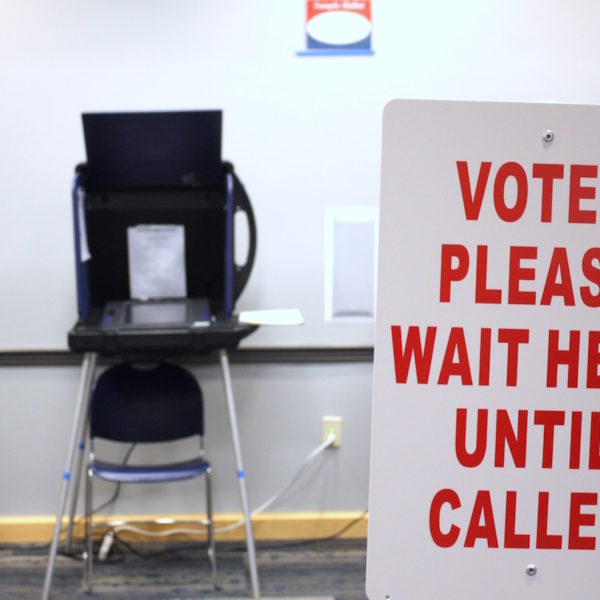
(66, 358)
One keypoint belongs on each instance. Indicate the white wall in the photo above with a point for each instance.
(279, 410)
(304, 133)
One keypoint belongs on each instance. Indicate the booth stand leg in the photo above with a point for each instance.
(88, 369)
(240, 472)
(77, 469)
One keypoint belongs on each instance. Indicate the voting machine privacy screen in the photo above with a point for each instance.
(153, 212)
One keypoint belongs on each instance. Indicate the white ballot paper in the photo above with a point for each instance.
(156, 256)
(279, 316)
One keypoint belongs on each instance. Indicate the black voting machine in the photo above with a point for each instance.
(161, 168)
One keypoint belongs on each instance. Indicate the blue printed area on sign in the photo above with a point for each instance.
(336, 52)
(315, 44)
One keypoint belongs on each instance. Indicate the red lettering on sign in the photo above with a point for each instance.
(594, 456)
(547, 173)
(518, 273)
(466, 458)
(568, 357)
(403, 357)
(441, 539)
(524, 275)
(593, 360)
(510, 214)
(559, 264)
(457, 346)
(592, 274)
(575, 446)
(545, 540)
(485, 341)
(455, 361)
(511, 210)
(506, 436)
(578, 520)
(578, 192)
(483, 295)
(558, 283)
(514, 436)
(482, 525)
(454, 267)
(512, 338)
(548, 419)
(472, 201)
(511, 538)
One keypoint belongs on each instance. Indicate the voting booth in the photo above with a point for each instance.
(154, 221)
(486, 412)
(153, 211)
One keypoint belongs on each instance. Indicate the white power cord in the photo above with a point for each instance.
(106, 545)
(309, 458)
(120, 526)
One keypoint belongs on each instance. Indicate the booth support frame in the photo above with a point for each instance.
(78, 432)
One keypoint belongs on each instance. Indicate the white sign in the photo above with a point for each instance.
(485, 465)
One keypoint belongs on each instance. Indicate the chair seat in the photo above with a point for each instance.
(120, 473)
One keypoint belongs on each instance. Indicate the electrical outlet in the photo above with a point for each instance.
(332, 425)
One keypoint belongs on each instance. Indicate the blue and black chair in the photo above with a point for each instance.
(147, 404)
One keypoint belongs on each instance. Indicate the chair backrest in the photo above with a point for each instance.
(146, 403)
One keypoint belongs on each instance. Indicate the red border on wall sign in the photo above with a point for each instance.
(338, 27)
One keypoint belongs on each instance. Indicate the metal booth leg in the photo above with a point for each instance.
(88, 369)
(240, 472)
(76, 473)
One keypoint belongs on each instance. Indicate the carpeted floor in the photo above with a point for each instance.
(324, 570)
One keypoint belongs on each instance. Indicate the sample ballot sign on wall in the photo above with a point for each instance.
(485, 465)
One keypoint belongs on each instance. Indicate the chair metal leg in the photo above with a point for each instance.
(212, 554)
(240, 472)
(81, 407)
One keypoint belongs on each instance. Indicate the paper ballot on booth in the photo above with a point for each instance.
(156, 255)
